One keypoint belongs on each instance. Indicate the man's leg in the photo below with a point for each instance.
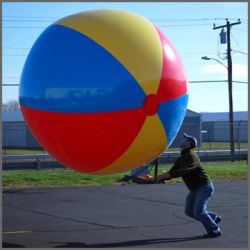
(200, 209)
(212, 215)
(189, 206)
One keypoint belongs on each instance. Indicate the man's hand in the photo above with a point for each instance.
(166, 176)
(163, 177)
(147, 178)
(151, 179)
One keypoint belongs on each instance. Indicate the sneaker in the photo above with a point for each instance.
(212, 235)
(218, 219)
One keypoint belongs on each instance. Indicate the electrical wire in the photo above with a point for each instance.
(236, 41)
(14, 48)
(217, 81)
(240, 30)
(183, 25)
(22, 27)
(10, 76)
(240, 52)
(35, 17)
(240, 82)
(26, 21)
(164, 20)
(155, 19)
(10, 84)
(13, 55)
(201, 81)
(162, 25)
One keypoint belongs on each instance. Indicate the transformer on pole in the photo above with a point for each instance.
(223, 36)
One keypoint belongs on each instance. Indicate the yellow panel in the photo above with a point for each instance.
(130, 38)
(150, 142)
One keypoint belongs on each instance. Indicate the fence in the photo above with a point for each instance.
(45, 161)
(210, 135)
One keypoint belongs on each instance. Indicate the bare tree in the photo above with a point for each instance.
(11, 106)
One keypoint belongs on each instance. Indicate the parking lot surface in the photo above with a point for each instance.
(133, 215)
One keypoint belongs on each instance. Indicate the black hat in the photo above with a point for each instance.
(192, 139)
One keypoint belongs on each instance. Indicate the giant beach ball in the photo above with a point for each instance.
(103, 91)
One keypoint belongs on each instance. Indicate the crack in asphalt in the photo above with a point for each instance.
(60, 217)
(95, 224)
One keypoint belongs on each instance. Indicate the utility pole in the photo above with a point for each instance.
(228, 25)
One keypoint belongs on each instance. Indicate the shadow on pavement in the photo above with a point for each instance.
(10, 245)
(126, 243)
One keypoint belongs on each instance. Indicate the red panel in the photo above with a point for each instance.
(173, 82)
(85, 142)
(151, 104)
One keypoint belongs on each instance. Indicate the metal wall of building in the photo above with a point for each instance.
(18, 135)
(220, 131)
(14, 134)
(192, 126)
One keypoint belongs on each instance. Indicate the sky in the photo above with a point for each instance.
(188, 25)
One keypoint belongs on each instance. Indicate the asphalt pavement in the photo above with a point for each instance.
(136, 215)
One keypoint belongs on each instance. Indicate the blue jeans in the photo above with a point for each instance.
(196, 207)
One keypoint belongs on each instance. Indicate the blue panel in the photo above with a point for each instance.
(68, 72)
(172, 114)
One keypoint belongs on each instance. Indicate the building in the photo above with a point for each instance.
(215, 127)
(191, 125)
(16, 133)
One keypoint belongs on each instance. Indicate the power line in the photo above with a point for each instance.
(26, 21)
(35, 17)
(10, 76)
(164, 20)
(201, 81)
(219, 81)
(22, 27)
(181, 52)
(184, 25)
(155, 19)
(240, 30)
(240, 82)
(204, 81)
(235, 40)
(10, 84)
(13, 55)
(181, 20)
(184, 55)
(14, 48)
(162, 25)
(240, 52)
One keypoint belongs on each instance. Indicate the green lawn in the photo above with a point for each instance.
(22, 151)
(221, 171)
(218, 171)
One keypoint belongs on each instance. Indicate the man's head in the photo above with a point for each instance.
(188, 141)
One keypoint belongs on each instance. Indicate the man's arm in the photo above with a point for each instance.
(190, 163)
(162, 177)
(180, 168)
(167, 176)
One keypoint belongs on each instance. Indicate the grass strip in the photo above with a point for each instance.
(218, 171)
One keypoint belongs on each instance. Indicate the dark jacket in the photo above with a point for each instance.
(188, 166)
